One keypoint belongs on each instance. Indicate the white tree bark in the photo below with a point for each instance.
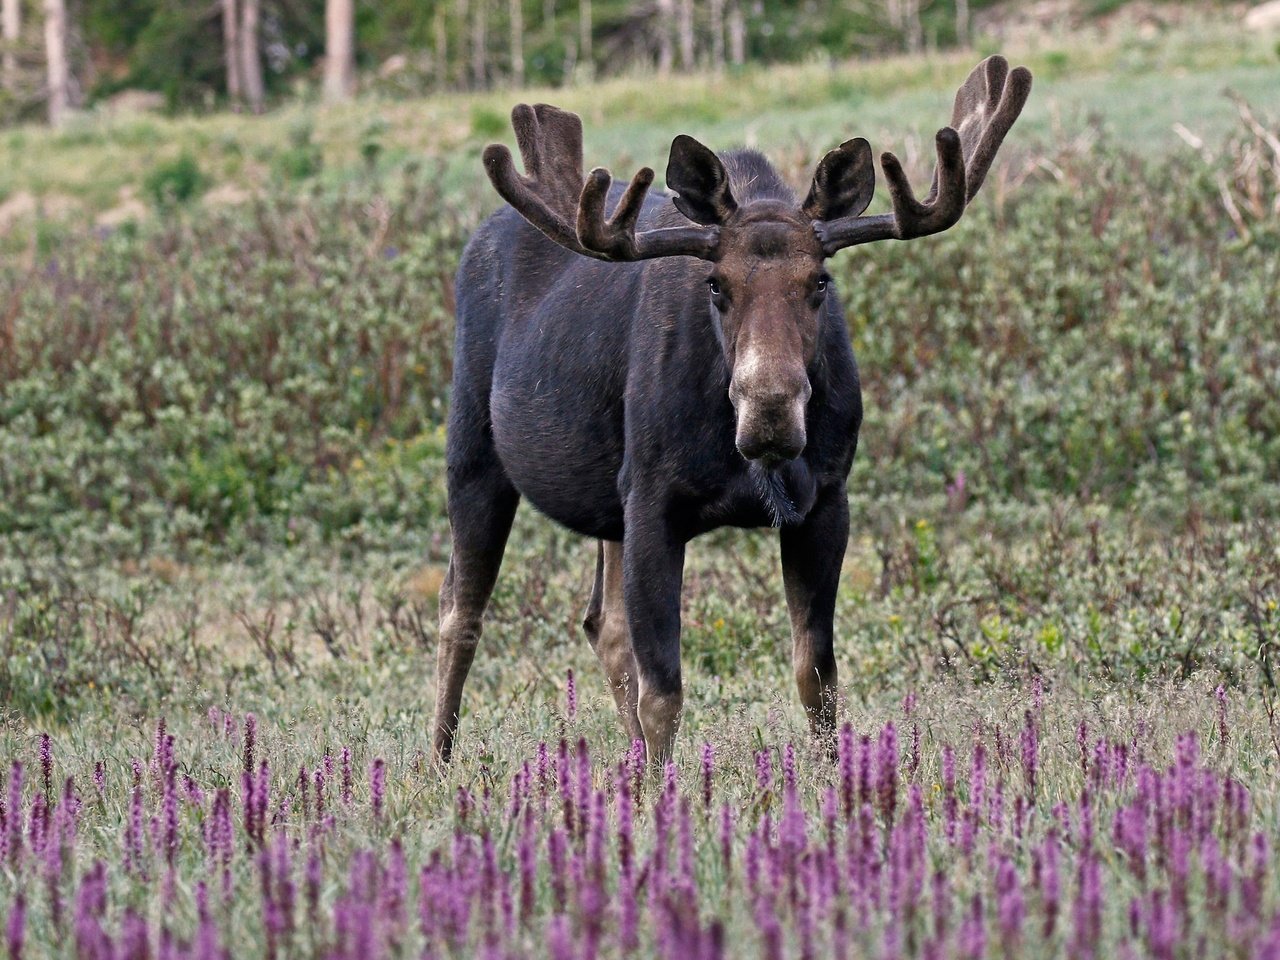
(251, 55)
(915, 31)
(480, 43)
(666, 31)
(962, 22)
(517, 42)
(231, 51)
(717, 35)
(737, 34)
(686, 35)
(584, 36)
(442, 49)
(339, 50)
(462, 13)
(11, 21)
(59, 73)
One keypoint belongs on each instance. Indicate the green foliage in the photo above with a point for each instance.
(228, 373)
(1103, 338)
(175, 182)
(175, 47)
(487, 122)
(302, 158)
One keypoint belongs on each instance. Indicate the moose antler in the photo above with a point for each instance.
(553, 197)
(986, 106)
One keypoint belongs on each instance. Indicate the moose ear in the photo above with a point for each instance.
(698, 176)
(843, 184)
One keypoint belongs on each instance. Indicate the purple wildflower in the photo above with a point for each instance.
(250, 741)
(46, 765)
(16, 928)
(347, 791)
(378, 785)
(1030, 755)
(1220, 694)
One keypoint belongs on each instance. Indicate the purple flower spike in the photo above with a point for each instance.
(571, 697)
(1220, 694)
(46, 764)
(764, 771)
(16, 928)
(1030, 755)
(250, 741)
(347, 783)
(378, 785)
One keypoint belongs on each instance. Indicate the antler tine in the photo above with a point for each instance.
(986, 106)
(617, 237)
(550, 143)
(552, 195)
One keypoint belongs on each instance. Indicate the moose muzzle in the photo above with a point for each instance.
(770, 401)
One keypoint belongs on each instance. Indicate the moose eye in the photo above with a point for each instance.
(714, 286)
(822, 284)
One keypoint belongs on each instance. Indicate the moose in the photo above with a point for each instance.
(678, 365)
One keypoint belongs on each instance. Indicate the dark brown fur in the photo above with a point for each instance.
(705, 380)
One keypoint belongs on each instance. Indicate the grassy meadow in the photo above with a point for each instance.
(224, 360)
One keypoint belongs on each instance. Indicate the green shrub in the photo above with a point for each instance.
(302, 158)
(175, 182)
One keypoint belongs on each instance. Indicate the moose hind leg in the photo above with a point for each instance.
(812, 554)
(482, 505)
(607, 632)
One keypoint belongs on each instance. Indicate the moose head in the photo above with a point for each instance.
(766, 282)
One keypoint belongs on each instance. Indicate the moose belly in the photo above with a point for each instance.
(562, 452)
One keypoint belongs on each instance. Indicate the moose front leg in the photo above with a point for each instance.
(812, 553)
(653, 571)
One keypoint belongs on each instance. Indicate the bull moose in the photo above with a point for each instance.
(679, 365)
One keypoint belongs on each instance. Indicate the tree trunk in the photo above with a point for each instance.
(737, 34)
(55, 45)
(584, 37)
(915, 31)
(479, 43)
(339, 50)
(570, 60)
(717, 35)
(251, 55)
(442, 49)
(11, 20)
(686, 35)
(462, 13)
(962, 22)
(231, 52)
(895, 13)
(517, 42)
(549, 16)
(666, 31)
